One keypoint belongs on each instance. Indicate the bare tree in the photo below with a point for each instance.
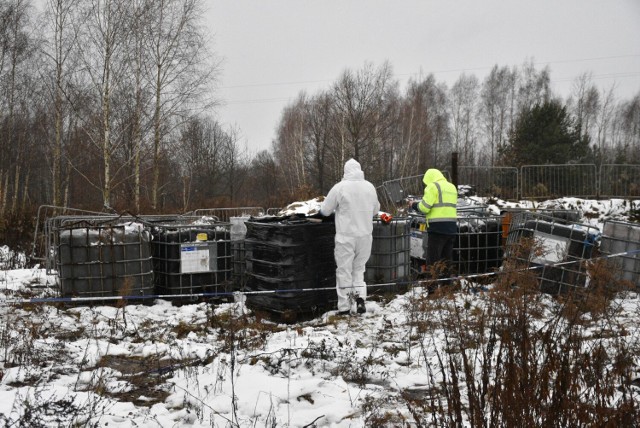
(291, 145)
(359, 99)
(139, 63)
(104, 31)
(391, 139)
(463, 113)
(234, 161)
(265, 181)
(181, 71)
(321, 126)
(497, 98)
(534, 88)
(58, 48)
(584, 103)
(200, 160)
(628, 119)
(16, 48)
(428, 134)
(603, 122)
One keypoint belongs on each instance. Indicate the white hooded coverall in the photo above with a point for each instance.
(355, 202)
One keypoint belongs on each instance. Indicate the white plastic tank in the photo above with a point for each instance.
(238, 228)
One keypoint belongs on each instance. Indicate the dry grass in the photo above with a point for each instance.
(526, 359)
(511, 356)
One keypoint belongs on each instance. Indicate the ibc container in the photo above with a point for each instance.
(318, 294)
(192, 258)
(104, 260)
(478, 246)
(623, 237)
(290, 231)
(390, 251)
(559, 216)
(285, 256)
(555, 244)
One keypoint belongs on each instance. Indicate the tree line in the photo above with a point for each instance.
(110, 104)
(511, 118)
(107, 104)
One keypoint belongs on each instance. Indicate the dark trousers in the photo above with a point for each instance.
(439, 248)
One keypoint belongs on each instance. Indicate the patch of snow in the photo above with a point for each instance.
(294, 375)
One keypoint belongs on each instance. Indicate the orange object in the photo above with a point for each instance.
(386, 218)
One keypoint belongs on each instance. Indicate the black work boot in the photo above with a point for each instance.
(360, 307)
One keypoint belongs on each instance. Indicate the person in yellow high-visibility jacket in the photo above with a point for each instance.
(439, 204)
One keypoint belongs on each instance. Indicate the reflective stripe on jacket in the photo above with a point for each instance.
(440, 198)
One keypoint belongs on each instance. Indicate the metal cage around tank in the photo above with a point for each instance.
(553, 248)
(102, 257)
(623, 239)
(390, 259)
(478, 245)
(192, 257)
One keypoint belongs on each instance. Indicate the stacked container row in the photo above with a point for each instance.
(114, 256)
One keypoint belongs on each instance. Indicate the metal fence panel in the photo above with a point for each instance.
(395, 191)
(619, 181)
(224, 214)
(554, 181)
(491, 181)
(400, 188)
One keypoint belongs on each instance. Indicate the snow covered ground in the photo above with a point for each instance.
(206, 365)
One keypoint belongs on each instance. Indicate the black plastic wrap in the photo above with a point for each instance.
(285, 256)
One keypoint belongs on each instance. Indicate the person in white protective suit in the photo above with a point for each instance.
(355, 202)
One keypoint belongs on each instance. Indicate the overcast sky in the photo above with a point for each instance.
(273, 49)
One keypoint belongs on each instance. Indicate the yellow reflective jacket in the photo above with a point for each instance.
(440, 198)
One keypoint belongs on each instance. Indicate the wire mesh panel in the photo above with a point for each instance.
(225, 214)
(553, 249)
(48, 220)
(389, 259)
(501, 182)
(396, 191)
(273, 210)
(554, 181)
(619, 181)
(622, 237)
(478, 247)
(103, 259)
(192, 258)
